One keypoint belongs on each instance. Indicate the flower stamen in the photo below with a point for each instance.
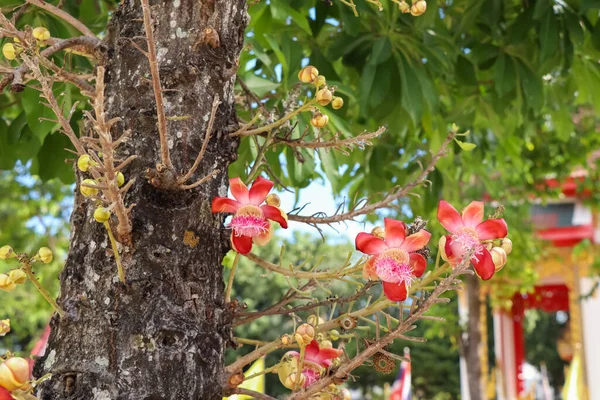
(393, 265)
(249, 221)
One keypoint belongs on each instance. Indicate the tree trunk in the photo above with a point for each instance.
(163, 335)
(471, 342)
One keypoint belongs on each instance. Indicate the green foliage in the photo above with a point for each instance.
(33, 214)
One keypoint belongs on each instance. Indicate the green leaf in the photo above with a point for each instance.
(260, 86)
(532, 86)
(549, 35)
(541, 7)
(596, 36)
(466, 146)
(504, 74)
(281, 11)
(7, 153)
(34, 110)
(465, 72)
(589, 4)
(51, 159)
(382, 51)
(573, 24)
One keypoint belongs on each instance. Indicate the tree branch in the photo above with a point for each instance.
(370, 208)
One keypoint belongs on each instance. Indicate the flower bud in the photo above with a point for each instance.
(102, 214)
(404, 7)
(312, 320)
(334, 335)
(120, 179)
(17, 276)
(86, 190)
(506, 244)
(418, 8)
(14, 373)
(41, 33)
(84, 163)
(320, 81)
(290, 380)
(442, 248)
(308, 74)
(337, 103)
(319, 120)
(6, 284)
(45, 255)
(9, 51)
(324, 96)
(379, 232)
(498, 257)
(326, 344)
(273, 200)
(4, 326)
(286, 339)
(305, 333)
(346, 394)
(6, 252)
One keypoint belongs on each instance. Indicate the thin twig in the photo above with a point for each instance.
(156, 86)
(370, 208)
(207, 136)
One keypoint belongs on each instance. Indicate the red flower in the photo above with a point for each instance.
(316, 360)
(469, 231)
(250, 222)
(394, 259)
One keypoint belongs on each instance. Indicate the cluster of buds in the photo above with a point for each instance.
(88, 186)
(500, 253)
(418, 7)
(9, 282)
(12, 50)
(14, 374)
(323, 96)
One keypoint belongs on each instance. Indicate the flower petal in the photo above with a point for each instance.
(5, 394)
(484, 265)
(311, 353)
(276, 214)
(395, 232)
(395, 291)
(492, 229)
(259, 190)
(369, 269)
(416, 241)
(449, 217)
(326, 355)
(264, 237)
(239, 190)
(241, 244)
(453, 259)
(224, 204)
(418, 264)
(370, 244)
(472, 215)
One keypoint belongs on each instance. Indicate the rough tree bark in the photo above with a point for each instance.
(471, 342)
(163, 335)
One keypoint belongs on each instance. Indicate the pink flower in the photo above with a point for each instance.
(468, 232)
(316, 360)
(394, 259)
(250, 223)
